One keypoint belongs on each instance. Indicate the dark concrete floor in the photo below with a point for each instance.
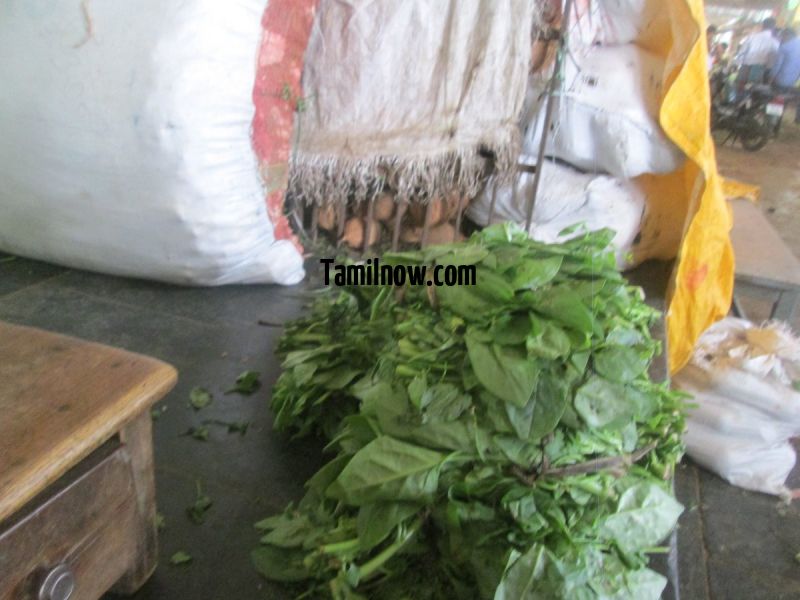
(732, 544)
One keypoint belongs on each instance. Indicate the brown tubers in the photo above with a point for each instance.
(384, 207)
(326, 217)
(354, 231)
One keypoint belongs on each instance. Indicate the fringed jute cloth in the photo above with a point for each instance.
(410, 94)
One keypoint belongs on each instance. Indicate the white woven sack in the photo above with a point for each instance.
(125, 140)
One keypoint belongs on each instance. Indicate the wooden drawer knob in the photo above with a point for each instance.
(58, 584)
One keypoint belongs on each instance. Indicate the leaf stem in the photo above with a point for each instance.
(340, 546)
(369, 568)
(614, 463)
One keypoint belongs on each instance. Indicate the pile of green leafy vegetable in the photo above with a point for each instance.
(500, 441)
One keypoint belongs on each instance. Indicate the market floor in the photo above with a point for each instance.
(732, 544)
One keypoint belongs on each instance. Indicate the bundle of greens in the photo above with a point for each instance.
(501, 440)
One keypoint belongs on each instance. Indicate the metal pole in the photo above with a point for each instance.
(548, 112)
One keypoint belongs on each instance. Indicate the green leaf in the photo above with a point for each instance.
(199, 398)
(289, 532)
(533, 273)
(551, 400)
(337, 379)
(301, 356)
(520, 579)
(161, 522)
(566, 306)
(303, 373)
(492, 286)
(240, 427)
(198, 433)
(601, 403)
(506, 372)
(646, 514)
(622, 364)
(572, 229)
(247, 383)
(464, 301)
(180, 558)
(521, 452)
(549, 341)
(278, 564)
(377, 521)
(455, 435)
(511, 330)
(326, 475)
(388, 469)
(416, 389)
(444, 402)
(197, 511)
(463, 255)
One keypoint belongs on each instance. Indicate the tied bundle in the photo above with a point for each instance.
(498, 441)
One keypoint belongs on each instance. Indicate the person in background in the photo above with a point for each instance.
(711, 32)
(758, 52)
(786, 71)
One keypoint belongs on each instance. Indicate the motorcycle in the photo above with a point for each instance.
(749, 115)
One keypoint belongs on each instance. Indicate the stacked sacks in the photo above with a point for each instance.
(605, 122)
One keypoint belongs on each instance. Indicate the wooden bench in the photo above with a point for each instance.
(763, 260)
(77, 496)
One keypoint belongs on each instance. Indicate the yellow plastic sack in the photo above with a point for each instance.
(687, 215)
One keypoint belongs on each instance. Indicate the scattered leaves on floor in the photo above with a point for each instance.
(157, 411)
(198, 433)
(197, 511)
(180, 558)
(199, 398)
(239, 427)
(246, 384)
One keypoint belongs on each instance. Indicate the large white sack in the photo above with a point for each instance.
(567, 197)
(606, 113)
(129, 150)
(742, 378)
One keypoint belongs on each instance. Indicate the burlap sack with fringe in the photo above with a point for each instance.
(412, 93)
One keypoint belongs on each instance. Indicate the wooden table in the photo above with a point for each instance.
(77, 496)
(763, 259)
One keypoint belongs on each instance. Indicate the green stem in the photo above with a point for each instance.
(340, 546)
(369, 568)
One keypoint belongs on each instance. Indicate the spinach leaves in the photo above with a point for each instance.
(501, 441)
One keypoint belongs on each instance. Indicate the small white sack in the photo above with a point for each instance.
(567, 197)
(125, 142)
(606, 116)
(741, 377)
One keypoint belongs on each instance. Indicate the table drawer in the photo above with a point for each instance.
(86, 521)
